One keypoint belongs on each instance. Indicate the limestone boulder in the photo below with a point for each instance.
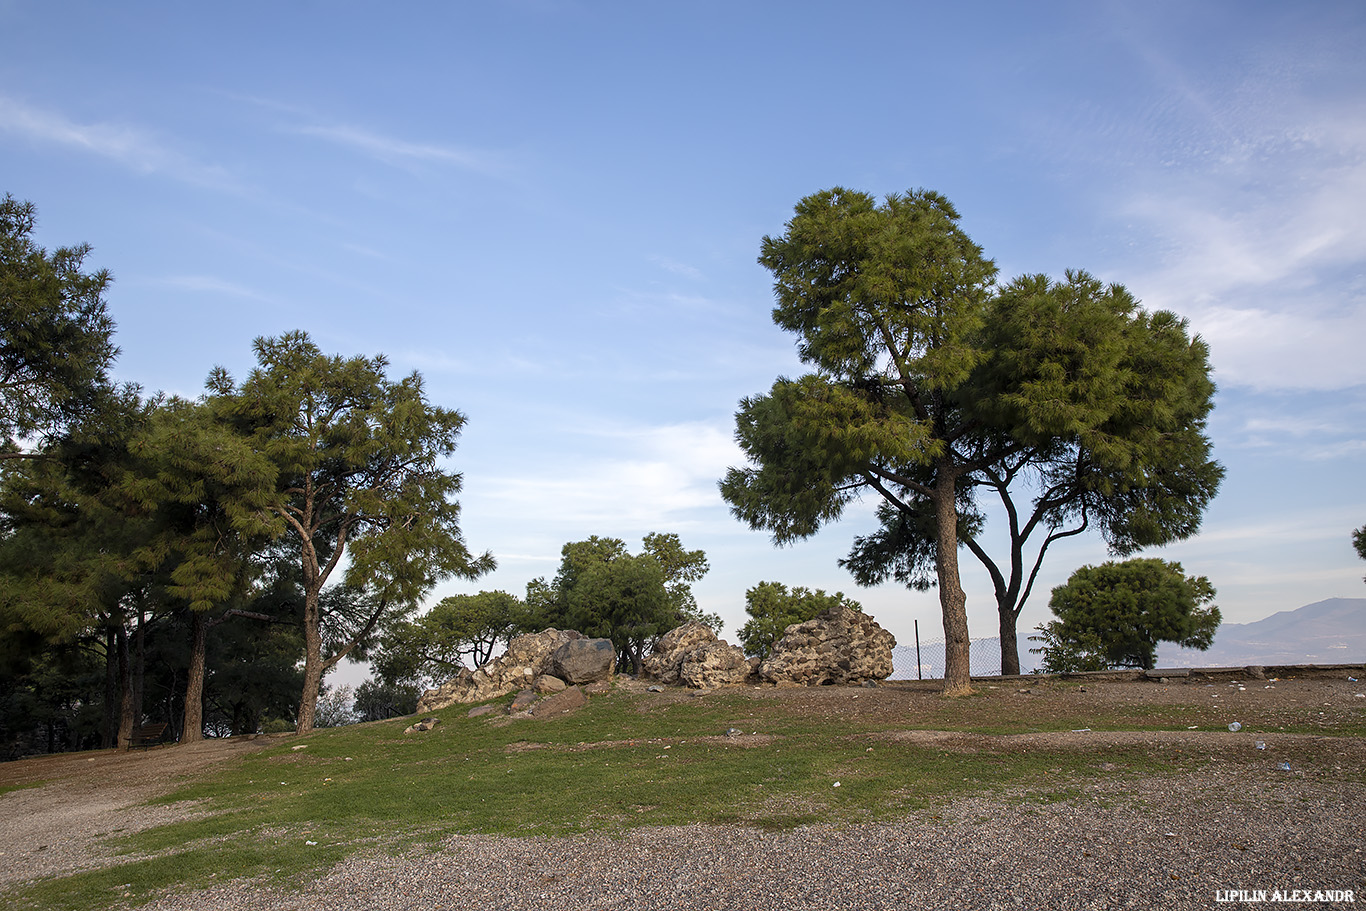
(714, 664)
(547, 685)
(426, 724)
(839, 646)
(584, 660)
(562, 703)
(665, 661)
(526, 658)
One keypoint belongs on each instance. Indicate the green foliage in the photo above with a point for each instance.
(359, 463)
(1359, 541)
(933, 387)
(334, 707)
(208, 492)
(601, 590)
(772, 608)
(888, 302)
(1117, 613)
(437, 644)
(681, 568)
(377, 700)
(55, 334)
(1064, 654)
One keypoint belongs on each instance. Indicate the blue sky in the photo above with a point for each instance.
(553, 209)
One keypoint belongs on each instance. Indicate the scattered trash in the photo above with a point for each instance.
(310, 842)
(1235, 727)
(656, 689)
(1194, 727)
(1171, 834)
(1081, 730)
(302, 746)
(733, 732)
(1353, 679)
(1261, 744)
(835, 785)
(1284, 767)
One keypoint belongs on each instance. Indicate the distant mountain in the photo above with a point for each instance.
(1326, 632)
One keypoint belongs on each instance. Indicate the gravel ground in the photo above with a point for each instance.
(1154, 844)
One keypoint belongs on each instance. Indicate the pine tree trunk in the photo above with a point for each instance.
(125, 689)
(139, 667)
(193, 728)
(109, 729)
(1010, 645)
(313, 663)
(953, 600)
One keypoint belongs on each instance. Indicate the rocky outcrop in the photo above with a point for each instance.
(692, 655)
(584, 660)
(714, 664)
(527, 658)
(838, 646)
(665, 661)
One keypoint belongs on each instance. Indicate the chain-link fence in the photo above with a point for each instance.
(984, 659)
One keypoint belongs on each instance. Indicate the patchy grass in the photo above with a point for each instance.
(624, 760)
(6, 788)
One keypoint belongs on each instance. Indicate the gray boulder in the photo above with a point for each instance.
(527, 658)
(665, 661)
(839, 646)
(561, 703)
(714, 664)
(584, 660)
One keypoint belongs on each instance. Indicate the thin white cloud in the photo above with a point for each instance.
(676, 267)
(128, 146)
(395, 151)
(1250, 181)
(210, 284)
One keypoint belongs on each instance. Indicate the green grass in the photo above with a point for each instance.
(6, 788)
(621, 761)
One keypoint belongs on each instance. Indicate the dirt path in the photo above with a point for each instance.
(61, 825)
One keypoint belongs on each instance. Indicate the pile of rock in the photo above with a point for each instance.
(545, 662)
(839, 646)
(549, 669)
(693, 656)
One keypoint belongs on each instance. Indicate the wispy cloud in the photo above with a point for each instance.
(676, 267)
(129, 146)
(376, 144)
(1250, 182)
(209, 284)
(401, 152)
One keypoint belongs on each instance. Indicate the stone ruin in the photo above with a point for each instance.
(839, 646)
(693, 656)
(548, 661)
(555, 670)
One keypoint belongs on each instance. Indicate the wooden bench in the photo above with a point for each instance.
(147, 735)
